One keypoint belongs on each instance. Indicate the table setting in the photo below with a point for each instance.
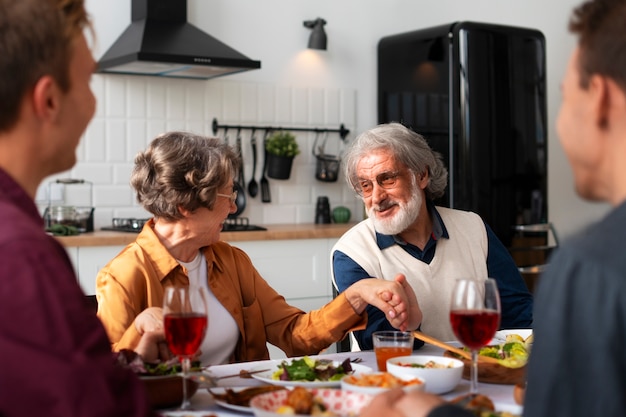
(204, 404)
(340, 384)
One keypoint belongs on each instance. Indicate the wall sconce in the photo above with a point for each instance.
(317, 40)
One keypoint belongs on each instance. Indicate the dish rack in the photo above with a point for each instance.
(80, 217)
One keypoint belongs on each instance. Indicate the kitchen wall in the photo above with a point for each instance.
(297, 86)
(132, 110)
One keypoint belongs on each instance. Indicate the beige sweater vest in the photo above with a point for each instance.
(463, 255)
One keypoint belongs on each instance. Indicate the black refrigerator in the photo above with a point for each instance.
(477, 93)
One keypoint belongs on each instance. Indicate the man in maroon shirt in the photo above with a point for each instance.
(56, 358)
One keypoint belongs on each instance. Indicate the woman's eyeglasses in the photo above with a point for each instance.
(232, 197)
(385, 180)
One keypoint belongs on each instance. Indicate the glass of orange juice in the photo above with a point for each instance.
(390, 344)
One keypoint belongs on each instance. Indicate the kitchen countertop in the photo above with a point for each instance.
(273, 232)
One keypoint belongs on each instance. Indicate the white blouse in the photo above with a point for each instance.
(222, 332)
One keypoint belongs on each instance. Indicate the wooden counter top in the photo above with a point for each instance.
(273, 232)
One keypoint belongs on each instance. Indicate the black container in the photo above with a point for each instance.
(279, 167)
(322, 210)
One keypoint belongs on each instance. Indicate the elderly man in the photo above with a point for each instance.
(398, 176)
(577, 365)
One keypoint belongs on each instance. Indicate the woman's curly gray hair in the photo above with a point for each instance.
(407, 147)
(180, 169)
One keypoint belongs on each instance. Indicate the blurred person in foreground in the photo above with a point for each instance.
(577, 367)
(57, 360)
(398, 176)
(186, 182)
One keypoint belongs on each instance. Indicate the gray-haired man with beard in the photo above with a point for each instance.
(398, 176)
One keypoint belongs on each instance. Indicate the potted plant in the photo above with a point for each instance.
(281, 148)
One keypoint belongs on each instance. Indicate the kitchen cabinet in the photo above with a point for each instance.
(89, 261)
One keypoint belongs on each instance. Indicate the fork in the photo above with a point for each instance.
(207, 380)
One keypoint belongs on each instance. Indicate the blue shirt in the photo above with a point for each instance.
(516, 301)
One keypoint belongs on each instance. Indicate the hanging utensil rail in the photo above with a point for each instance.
(343, 132)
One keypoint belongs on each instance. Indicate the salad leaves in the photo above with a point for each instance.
(307, 369)
(127, 358)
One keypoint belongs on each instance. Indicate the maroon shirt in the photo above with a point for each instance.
(55, 357)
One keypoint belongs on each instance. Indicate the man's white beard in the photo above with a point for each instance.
(402, 219)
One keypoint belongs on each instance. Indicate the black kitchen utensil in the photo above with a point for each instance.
(253, 187)
(238, 185)
(265, 185)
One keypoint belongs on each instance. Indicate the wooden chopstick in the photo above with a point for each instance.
(467, 355)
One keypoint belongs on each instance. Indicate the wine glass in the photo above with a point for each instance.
(475, 317)
(185, 320)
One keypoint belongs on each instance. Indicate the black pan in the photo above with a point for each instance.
(238, 186)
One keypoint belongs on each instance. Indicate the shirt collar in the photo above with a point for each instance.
(439, 230)
(10, 190)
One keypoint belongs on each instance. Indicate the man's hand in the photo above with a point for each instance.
(395, 298)
(396, 403)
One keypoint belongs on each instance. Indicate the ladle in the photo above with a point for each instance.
(253, 187)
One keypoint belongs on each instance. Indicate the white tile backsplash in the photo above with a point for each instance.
(133, 110)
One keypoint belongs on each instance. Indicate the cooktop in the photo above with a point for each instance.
(132, 225)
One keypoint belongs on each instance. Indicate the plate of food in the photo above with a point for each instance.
(302, 401)
(524, 335)
(511, 357)
(238, 398)
(308, 372)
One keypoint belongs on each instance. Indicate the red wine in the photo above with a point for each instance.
(184, 332)
(474, 328)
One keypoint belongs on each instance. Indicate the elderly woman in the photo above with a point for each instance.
(186, 182)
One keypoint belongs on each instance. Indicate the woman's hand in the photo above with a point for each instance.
(149, 320)
(395, 298)
(152, 347)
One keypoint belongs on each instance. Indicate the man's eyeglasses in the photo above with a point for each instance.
(386, 180)
(232, 197)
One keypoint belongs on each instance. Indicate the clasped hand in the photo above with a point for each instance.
(395, 298)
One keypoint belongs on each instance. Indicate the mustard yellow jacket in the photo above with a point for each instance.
(135, 278)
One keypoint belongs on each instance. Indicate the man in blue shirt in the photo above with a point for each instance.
(398, 176)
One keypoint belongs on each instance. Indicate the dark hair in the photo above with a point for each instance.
(602, 44)
(35, 40)
(408, 148)
(180, 169)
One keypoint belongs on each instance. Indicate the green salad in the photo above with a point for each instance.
(307, 369)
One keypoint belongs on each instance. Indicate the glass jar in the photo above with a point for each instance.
(65, 215)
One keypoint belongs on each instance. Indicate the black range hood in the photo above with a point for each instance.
(160, 42)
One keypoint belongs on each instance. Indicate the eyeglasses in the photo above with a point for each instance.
(232, 197)
(385, 180)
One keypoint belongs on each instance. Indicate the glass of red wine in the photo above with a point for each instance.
(185, 320)
(475, 317)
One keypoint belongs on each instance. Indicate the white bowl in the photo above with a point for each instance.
(377, 382)
(339, 402)
(438, 380)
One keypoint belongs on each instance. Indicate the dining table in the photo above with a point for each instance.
(204, 405)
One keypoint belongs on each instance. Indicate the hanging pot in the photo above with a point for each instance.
(327, 166)
(279, 167)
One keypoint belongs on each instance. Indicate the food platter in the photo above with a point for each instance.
(266, 376)
(226, 404)
(221, 396)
